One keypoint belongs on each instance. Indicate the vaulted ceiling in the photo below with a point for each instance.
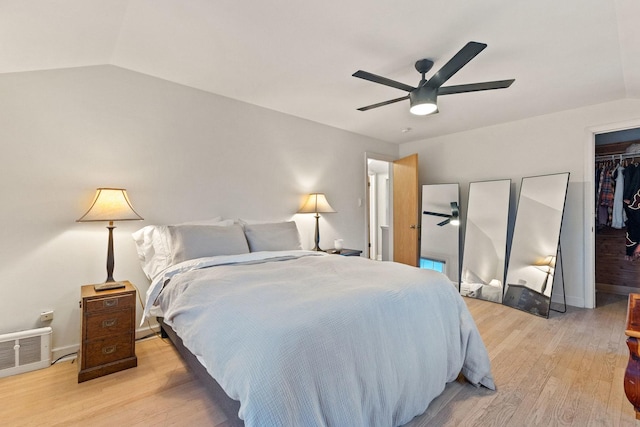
(297, 57)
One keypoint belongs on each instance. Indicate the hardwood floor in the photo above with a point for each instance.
(565, 371)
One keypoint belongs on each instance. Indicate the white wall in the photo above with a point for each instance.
(540, 145)
(182, 154)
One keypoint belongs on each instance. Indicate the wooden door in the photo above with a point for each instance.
(405, 211)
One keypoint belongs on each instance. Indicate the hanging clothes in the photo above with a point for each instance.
(618, 216)
(606, 198)
(631, 201)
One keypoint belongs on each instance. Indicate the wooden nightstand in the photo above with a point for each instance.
(344, 252)
(108, 331)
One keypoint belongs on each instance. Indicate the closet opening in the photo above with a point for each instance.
(617, 211)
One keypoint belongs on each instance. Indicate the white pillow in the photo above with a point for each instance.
(153, 245)
(198, 241)
(275, 236)
(213, 221)
(244, 222)
(154, 249)
(471, 277)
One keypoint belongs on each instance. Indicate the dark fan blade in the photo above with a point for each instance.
(474, 87)
(436, 214)
(464, 55)
(380, 104)
(445, 222)
(382, 80)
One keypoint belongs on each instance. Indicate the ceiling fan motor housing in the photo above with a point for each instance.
(424, 65)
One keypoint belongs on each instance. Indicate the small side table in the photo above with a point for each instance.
(344, 252)
(632, 374)
(108, 331)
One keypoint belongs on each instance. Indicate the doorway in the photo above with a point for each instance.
(589, 206)
(395, 201)
(617, 155)
(379, 206)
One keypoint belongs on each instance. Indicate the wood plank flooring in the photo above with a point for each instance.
(564, 371)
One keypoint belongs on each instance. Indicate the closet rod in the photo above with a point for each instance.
(618, 156)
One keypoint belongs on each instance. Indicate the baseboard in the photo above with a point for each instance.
(616, 289)
(572, 301)
(575, 301)
(147, 330)
(71, 351)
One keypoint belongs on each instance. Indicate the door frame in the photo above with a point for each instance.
(589, 254)
(367, 214)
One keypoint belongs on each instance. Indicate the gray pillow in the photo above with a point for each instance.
(274, 236)
(197, 241)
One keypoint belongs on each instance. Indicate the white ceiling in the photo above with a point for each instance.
(297, 57)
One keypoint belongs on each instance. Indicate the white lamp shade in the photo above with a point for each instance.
(316, 203)
(547, 261)
(110, 204)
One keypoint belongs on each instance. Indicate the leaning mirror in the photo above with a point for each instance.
(440, 234)
(485, 240)
(535, 244)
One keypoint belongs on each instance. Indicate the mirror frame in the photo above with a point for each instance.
(484, 256)
(534, 253)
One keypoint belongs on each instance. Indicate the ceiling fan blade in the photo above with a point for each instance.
(459, 60)
(382, 80)
(475, 87)
(436, 214)
(380, 104)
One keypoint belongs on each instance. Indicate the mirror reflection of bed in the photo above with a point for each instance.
(535, 244)
(485, 242)
(439, 244)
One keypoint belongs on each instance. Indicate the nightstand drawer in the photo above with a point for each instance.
(98, 325)
(110, 303)
(111, 349)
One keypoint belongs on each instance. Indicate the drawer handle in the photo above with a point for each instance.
(110, 302)
(109, 323)
(109, 350)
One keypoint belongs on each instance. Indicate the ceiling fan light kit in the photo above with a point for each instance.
(423, 98)
(423, 101)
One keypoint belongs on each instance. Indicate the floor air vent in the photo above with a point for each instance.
(25, 351)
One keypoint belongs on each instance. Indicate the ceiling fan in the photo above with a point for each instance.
(423, 98)
(453, 219)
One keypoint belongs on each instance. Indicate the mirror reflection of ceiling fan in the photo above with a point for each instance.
(453, 218)
(423, 98)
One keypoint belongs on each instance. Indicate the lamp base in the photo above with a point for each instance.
(108, 285)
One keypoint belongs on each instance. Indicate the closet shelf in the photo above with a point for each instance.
(617, 156)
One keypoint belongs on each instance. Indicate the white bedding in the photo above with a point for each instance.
(324, 340)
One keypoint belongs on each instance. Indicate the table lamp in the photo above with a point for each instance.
(110, 204)
(547, 265)
(316, 203)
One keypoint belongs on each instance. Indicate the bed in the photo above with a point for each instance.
(289, 337)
